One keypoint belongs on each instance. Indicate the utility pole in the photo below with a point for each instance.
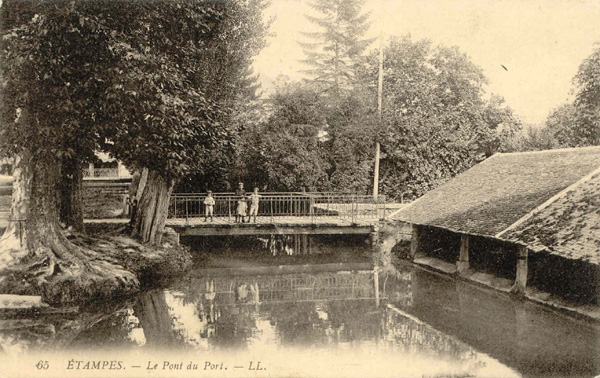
(379, 105)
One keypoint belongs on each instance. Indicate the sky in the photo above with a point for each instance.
(540, 42)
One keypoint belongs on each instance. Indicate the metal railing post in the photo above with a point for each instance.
(186, 211)
(271, 203)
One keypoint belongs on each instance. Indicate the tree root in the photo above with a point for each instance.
(63, 272)
(85, 269)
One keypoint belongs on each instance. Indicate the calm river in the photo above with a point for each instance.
(305, 306)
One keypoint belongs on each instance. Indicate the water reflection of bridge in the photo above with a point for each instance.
(299, 287)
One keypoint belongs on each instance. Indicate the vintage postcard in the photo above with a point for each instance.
(299, 188)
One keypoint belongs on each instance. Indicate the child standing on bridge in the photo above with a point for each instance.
(209, 204)
(240, 192)
(242, 206)
(254, 198)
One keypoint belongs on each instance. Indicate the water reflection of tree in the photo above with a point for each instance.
(21, 335)
(236, 326)
(60, 331)
(155, 319)
(324, 322)
(407, 335)
(112, 331)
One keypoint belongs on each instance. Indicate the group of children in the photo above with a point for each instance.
(242, 205)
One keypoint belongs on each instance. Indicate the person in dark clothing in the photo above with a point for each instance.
(240, 190)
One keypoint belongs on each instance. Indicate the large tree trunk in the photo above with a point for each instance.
(35, 257)
(71, 198)
(13, 244)
(138, 183)
(153, 206)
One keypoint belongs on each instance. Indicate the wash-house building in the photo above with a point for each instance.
(525, 222)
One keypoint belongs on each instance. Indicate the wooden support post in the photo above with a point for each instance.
(229, 208)
(521, 276)
(463, 259)
(297, 249)
(415, 243)
(186, 211)
(374, 236)
(305, 250)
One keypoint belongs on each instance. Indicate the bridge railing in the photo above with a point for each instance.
(101, 172)
(273, 205)
(105, 173)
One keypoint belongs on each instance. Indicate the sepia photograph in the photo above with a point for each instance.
(300, 188)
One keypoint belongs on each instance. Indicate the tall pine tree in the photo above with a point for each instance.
(334, 51)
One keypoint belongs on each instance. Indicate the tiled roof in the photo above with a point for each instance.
(569, 226)
(496, 193)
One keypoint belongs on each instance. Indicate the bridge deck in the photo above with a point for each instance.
(275, 225)
(265, 225)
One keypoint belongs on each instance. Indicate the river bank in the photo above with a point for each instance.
(123, 267)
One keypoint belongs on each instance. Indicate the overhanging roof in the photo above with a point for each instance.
(495, 194)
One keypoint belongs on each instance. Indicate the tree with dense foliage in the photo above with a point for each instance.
(120, 75)
(306, 143)
(574, 124)
(352, 127)
(74, 107)
(587, 101)
(286, 153)
(577, 124)
(561, 124)
(335, 50)
(318, 133)
(227, 78)
(436, 120)
(47, 118)
(158, 117)
(532, 138)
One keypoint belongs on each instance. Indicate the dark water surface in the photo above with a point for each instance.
(330, 313)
